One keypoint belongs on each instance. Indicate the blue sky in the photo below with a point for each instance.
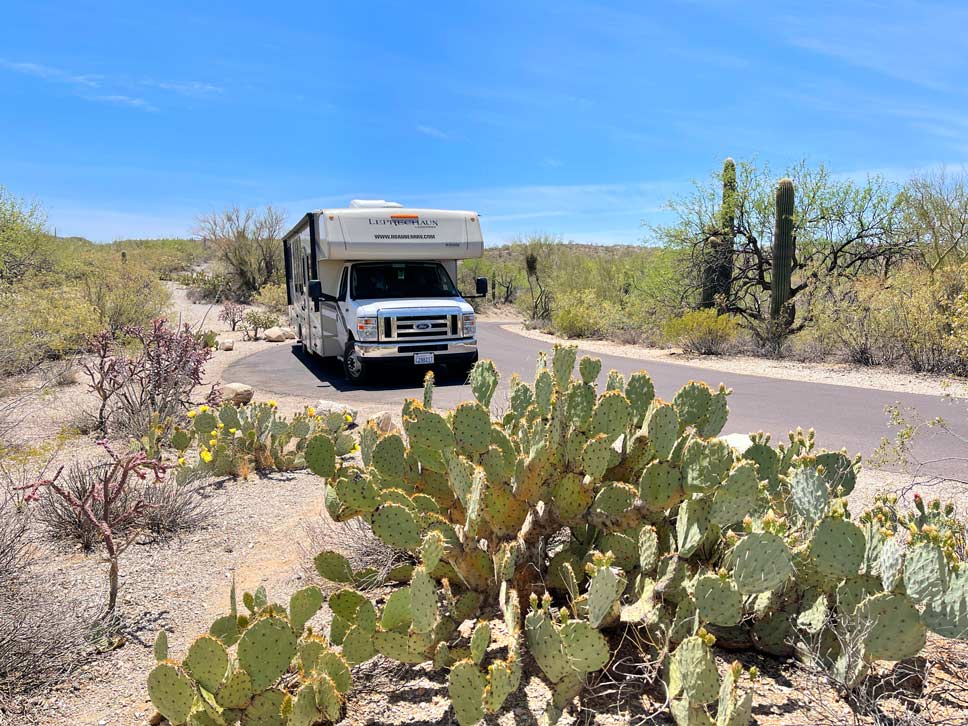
(571, 118)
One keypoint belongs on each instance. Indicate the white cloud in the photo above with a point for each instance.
(187, 88)
(433, 132)
(50, 73)
(123, 100)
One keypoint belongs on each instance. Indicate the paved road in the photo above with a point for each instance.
(842, 416)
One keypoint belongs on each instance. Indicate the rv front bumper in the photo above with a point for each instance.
(395, 352)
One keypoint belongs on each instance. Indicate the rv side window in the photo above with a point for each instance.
(341, 295)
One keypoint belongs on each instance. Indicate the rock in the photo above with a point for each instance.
(384, 422)
(237, 393)
(226, 345)
(740, 442)
(274, 335)
(289, 334)
(324, 407)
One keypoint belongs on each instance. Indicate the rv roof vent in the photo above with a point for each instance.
(374, 204)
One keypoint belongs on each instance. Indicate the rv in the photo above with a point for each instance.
(376, 283)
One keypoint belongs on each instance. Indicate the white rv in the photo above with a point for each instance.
(376, 283)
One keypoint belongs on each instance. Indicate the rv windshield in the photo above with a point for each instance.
(378, 280)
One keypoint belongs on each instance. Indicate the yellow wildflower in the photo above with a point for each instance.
(214, 433)
(181, 460)
(202, 409)
(212, 442)
(205, 455)
(191, 414)
(232, 431)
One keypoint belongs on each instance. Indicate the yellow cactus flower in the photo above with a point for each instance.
(202, 409)
(272, 404)
(181, 461)
(214, 432)
(213, 442)
(191, 414)
(348, 418)
(232, 431)
(205, 455)
(221, 425)
(310, 411)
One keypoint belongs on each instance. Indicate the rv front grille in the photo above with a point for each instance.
(413, 325)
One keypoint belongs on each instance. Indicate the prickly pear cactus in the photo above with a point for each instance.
(593, 512)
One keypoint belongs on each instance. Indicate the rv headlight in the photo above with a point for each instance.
(469, 323)
(366, 329)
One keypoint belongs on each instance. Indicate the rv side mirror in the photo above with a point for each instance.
(481, 286)
(315, 290)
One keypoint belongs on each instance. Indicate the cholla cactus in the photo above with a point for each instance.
(594, 512)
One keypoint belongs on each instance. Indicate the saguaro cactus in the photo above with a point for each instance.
(718, 272)
(784, 247)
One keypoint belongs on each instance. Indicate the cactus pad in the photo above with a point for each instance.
(837, 548)
(207, 662)
(304, 710)
(236, 691)
(640, 392)
(604, 591)
(589, 368)
(761, 562)
(706, 464)
(396, 526)
(890, 561)
(662, 425)
(333, 566)
(737, 497)
(571, 497)
(480, 639)
(472, 428)
(563, 363)
(171, 692)
(893, 627)
(596, 455)
(466, 688)
(697, 669)
(586, 648)
(612, 415)
(303, 605)
(718, 601)
(691, 525)
(266, 709)
(358, 645)
(265, 651)
(545, 646)
(810, 493)
(320, 456)
(389, 456)
(948, 615)
(423, 600)
(925, 572)
(484, 378)
(660, 486)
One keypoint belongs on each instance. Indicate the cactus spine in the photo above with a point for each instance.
(718, 272)
(784, 248)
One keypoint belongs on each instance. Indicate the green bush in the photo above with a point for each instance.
(256, 321)
(273, 298)
(204, 287)
(582, 315)
(124, 293)
(704, 332)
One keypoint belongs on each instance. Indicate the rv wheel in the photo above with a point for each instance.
(353, 366)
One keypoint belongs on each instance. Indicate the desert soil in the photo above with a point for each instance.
(259, 533)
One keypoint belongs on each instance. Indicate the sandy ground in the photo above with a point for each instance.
(841, 374)
(258, 535)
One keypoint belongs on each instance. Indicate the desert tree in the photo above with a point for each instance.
(936, 216)
(842, 229)
(247, 244)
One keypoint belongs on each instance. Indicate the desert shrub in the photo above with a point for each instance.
(173, 505)
(237, 441)
(525, 526)
(26, 249)
(204, 287)
(257, 321)
(372, 559)
(149, 376)
(704, 332)
(231, 314)
(273, 298)
(167, 258)
(43, 318)
(208, 338)
(123, 294)
(40, 640)
(581, 315)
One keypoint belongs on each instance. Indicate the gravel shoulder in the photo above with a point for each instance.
(842, 374)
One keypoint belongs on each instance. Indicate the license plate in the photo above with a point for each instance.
(423, 359)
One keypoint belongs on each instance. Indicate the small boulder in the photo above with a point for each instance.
(237, 393)
(274, 335)
(226, 344)
(384, 422)
(324, 407)
(289, 334)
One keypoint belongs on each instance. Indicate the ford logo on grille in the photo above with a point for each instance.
(422, 326)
